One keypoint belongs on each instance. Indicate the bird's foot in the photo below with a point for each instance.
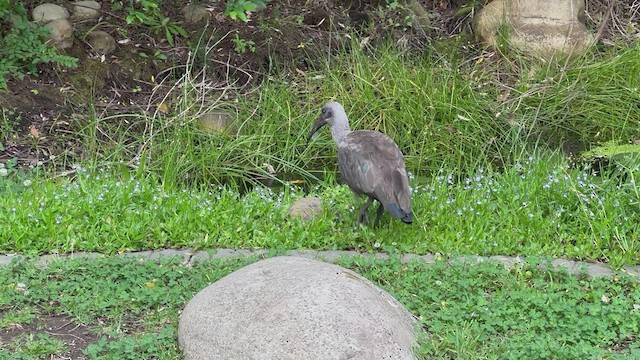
(363, 218)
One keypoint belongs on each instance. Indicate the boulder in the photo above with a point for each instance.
(46, 13)
(295, 308)
(102, 42)
(61, 34)
(534, 26)
(85, 10)
(306, 208)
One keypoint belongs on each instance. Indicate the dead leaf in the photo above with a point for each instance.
(163, 108)
(34, 132)
(502, 97)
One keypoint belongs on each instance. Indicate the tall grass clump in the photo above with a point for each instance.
(264, 141)
(588, 100)
(421, 100)
(432, 112)
(442, 110)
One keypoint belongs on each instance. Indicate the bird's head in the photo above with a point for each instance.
(332, 114)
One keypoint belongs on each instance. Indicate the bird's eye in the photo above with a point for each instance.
(323, 111)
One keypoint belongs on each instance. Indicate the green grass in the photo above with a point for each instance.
(539, 207)
(442, 109)
(479, 311)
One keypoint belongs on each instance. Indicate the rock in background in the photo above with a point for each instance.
(544, 28)
(59, 21)
(85, 10)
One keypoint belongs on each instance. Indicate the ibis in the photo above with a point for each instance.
(370, 163)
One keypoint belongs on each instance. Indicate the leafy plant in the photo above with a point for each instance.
(9, 121)
(465, 311)
(12, 178)
(23, 44)
(39, 346)
(241, 45)
(240, 9)
(151, 15)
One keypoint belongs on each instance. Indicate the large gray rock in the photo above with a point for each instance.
(46, 13)
(295, 308)
(541, 27)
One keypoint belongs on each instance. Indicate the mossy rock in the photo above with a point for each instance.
(89, 79)
(620, 156)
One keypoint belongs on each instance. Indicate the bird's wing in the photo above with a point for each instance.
(372, 164)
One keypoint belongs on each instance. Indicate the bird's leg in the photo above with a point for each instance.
(363, 216)
(378, 214)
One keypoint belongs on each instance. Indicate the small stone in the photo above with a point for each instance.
(85, 10)
(215, 122)
(597, 270)
(195, 14)
(171, 253)
(102, 42)
(306, 208)
(61, 34)
(47, 13)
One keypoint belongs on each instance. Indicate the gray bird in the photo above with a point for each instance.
(370, 163)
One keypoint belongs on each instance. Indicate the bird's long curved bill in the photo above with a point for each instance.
(320, 122)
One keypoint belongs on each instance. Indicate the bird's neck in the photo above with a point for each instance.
(339, 132)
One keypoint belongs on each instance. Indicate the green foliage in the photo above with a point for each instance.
(149, 14)
(537, 207)
(13, 180)
(22, 44)
(34, 346)
(240, 9)
(157, 345)
(395, 15)
(488, 312)
(241, 45)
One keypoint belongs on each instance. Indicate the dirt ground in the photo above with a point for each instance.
(46, 111)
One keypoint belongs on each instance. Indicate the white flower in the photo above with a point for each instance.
(3, 172)
(26, 183)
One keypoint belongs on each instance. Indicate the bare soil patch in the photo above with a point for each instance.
(75, 336)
